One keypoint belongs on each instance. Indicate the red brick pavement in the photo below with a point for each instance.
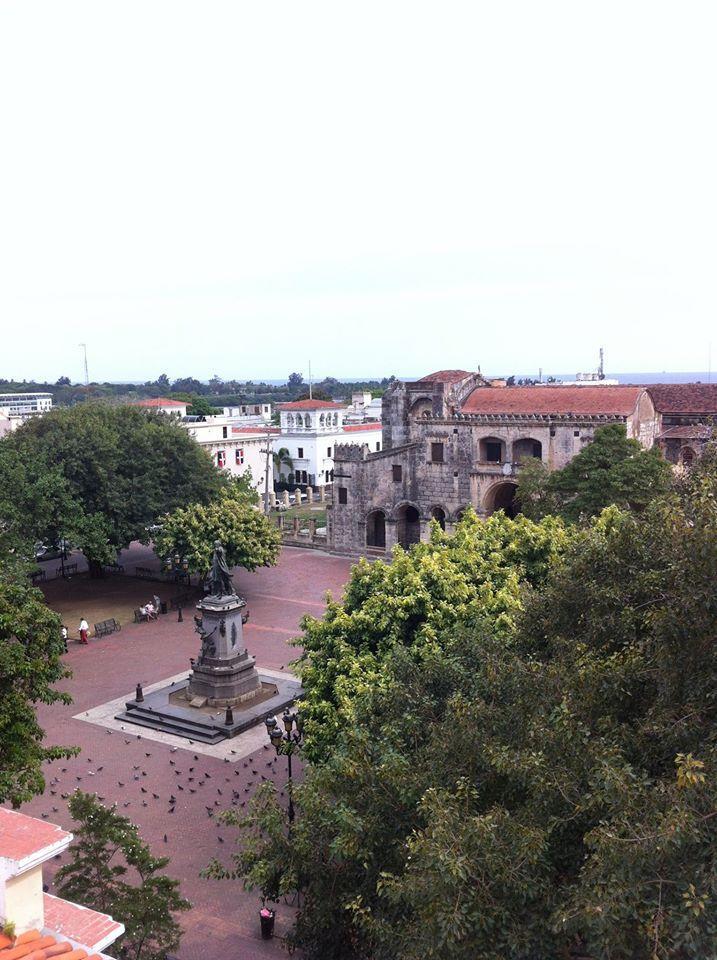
(223, 921)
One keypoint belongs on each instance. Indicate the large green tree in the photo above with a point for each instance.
(611, 469)
(100, 476)
(113, 870)
(250, 540)
(30, 666)
(536, 781)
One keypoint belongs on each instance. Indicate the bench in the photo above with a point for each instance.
(70, 570)
(105, 627)
(146, 573)
(140, 617)
(38, 576)
(112, 568)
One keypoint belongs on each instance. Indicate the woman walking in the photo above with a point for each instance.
(84, 630)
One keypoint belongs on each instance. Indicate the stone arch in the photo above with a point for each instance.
(290, 420)
(322, 420)
(525, 448)
(307, 420)
(491, 450)
(408, 524)
(687, 456)
(422, 407)
(439, 514)
(336, 419)
(299, 420)
(501, 496)
(376, 529)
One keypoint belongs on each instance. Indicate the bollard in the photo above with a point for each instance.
(139, 694)
(229, 718)
(180, 618)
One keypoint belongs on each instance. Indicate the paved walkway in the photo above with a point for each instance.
(121, 765)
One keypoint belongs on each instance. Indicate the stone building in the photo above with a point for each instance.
(686, 415)
(454, 439)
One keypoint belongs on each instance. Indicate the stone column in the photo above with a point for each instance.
(312, 528)
(297, 526)
(280, 522)
(309, 495)
(285, 497)
(322, 493)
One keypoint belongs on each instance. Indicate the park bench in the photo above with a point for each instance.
(38, 576)
(113, 568)
(105, 627)
(70, 570)
(146, 573)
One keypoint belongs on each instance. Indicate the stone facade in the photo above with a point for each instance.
(452, 440)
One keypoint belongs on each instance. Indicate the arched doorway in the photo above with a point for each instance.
(376, 529)
(687, 456)
(439, 514)
(502, 497)
(408, 525)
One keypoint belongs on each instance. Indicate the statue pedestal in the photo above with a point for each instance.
(224, 674)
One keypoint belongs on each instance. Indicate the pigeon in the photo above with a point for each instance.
(53, 792)
(191, 769)
(171, 810)
(192, 791)
(165, 838)
(174, 749)
(127, 803)
(172, 762)
(144, 803)
(146, 754)
(45, 816)
(119, 783)
(143, 789)
(207, 776)
(220, 839)
(195, 756)
(128, 741)
(156, 796)
(55, 809)
(172, 799)
(233, 751)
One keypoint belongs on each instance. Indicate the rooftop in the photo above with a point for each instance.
(24, 838)
(370, 425)
(687, 398)
(446, 376)
(90, 927)
(558, 400)
(310, 405)
(159, 402)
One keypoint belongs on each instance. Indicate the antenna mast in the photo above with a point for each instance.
(87, 376)
(601, 369)
(311, 394)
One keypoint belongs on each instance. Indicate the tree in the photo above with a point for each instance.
(282, 458)
(533, 778)
(316, 394)
(189, 385)
(612, 469)
(201, 407)
(249, 538)
(30, 666)
(295, 381)
(100, 476)
(62, 382)
(162, 382)
(107, 855)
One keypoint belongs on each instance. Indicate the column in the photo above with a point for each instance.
(309, 495)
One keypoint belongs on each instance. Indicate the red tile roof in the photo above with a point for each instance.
(160, 402)
(90, 927)
(446, 376)
(687, 398)
(351, 427)
(696, 431)
(23, 837)
(310, 405)
(553, 400)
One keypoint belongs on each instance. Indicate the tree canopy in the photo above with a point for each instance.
(113, 870)
(30, 666)
(611, 469)
(100, 476)
(250, 540)
(534, 772)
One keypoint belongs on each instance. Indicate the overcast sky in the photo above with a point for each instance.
(239, 188)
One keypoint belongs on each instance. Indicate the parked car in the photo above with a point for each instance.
(53, 551)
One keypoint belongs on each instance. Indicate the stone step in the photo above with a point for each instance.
(175, 725)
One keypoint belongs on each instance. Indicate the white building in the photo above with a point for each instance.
(310, 430)
(16, 408)
(235, 447)
(363, 407)
(175, 408)
(250, 412)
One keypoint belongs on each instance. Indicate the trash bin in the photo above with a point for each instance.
(163, 606)
(266, 919)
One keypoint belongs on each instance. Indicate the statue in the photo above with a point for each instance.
(220, 579)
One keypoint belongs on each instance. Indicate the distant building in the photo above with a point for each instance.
(234, 446)
(250, 412)
(175, 408)
(455, 439)
(686, 418)
(362, 408)
(16, 408)
(43, 922)
(310, 430)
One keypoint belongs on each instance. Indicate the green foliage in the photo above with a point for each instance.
(282, 458)
(610, 470)
(249, 539)
(533, 776)
(201, 407)
(99, 476)
(113, 870)
(30, 665)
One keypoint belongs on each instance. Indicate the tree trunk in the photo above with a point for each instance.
(96, 571)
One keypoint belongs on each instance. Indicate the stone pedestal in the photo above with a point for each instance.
(287, 502)
(224, 674)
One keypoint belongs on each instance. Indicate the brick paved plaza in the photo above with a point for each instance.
(117, 764)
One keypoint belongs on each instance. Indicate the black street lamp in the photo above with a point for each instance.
(179, 566)
(286, 741)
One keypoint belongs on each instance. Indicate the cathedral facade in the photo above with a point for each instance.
(454, 439)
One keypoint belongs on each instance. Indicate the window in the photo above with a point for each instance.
(300, 453)
(492, 451)
(576, 433)
(224, 433)
(397, 472)
(239, 456)
(437, 452)
(378, 446)
(328, 451)
(221, 459)
(343, 495)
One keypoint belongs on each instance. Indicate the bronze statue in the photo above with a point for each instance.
(220, 579)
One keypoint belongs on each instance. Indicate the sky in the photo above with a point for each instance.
(235, 188)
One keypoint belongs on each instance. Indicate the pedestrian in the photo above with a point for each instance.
(157, 603)
(65, 633)
(84, 630)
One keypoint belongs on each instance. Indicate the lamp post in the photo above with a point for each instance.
(286, 741)
(179, 566)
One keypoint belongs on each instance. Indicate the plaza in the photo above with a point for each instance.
(141, 769)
